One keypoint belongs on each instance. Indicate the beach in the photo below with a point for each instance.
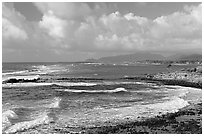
(101, 68)
(187, 119)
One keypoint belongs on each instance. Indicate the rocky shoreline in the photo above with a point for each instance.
(187, 120)
(184, 77)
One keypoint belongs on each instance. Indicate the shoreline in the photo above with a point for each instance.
(187, 120)
(169, 81)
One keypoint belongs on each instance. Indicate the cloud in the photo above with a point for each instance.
(178, 24)
(53, 25)
(119, 32)
(115, 31)
(68, 10)
(130, 32)
(9, 30)
(79, 27)
(12, 25)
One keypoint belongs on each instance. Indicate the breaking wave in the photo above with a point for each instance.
(6, 117)
(15, 72)
(36, 118)
(171, 106)
(31, 84)
(20, 126)
(16, 79)
(55, 103)
(94, 91)
(43, 69)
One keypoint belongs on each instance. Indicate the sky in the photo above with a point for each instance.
(64, 32)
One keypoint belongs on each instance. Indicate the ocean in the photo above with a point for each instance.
(84, 94)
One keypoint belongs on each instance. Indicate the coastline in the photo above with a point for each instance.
(187, 120)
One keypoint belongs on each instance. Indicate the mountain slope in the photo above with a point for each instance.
(131, 58)
(191, 57)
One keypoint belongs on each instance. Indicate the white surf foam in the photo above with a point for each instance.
(143, 111)
(30, 77)
(74, 84)
(171, 106)
(42, 69)
(15, 72)
(47, 84)
(8, 85)
(6, 116)
(43, 119)
(113, 83)
(94, 91)
(55, 103)
(145, 83)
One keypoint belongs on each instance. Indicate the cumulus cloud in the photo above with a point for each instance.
(53, 25)
(71, 27)
(66, 10)
(12, 25)
(9, 30)
(180, 29)
(115, 31)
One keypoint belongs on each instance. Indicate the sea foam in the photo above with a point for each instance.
(94, 91)
(6, 116)
(42, 119)
(30, 77)
(55, 103)
(30, 84)
(15, 72)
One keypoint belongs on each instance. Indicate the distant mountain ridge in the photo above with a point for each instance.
(132, 57)
(192, 57)
(129, 58)
(143, 56)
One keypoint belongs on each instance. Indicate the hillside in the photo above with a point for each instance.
(128, 58)
(131, 58)
(191, 57)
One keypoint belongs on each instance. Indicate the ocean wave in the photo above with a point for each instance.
(38, 70)
(170, 106)
(74, 84)
(32, 84)
(94, 91)
(15, 72)
(93, 63)
(6, 117)
(43, 69)
(65, 84)
(14, 79)
(146, 83)
(20, 126)
(136, 112)
(22, 118)
(116, 83)
(55, 103)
